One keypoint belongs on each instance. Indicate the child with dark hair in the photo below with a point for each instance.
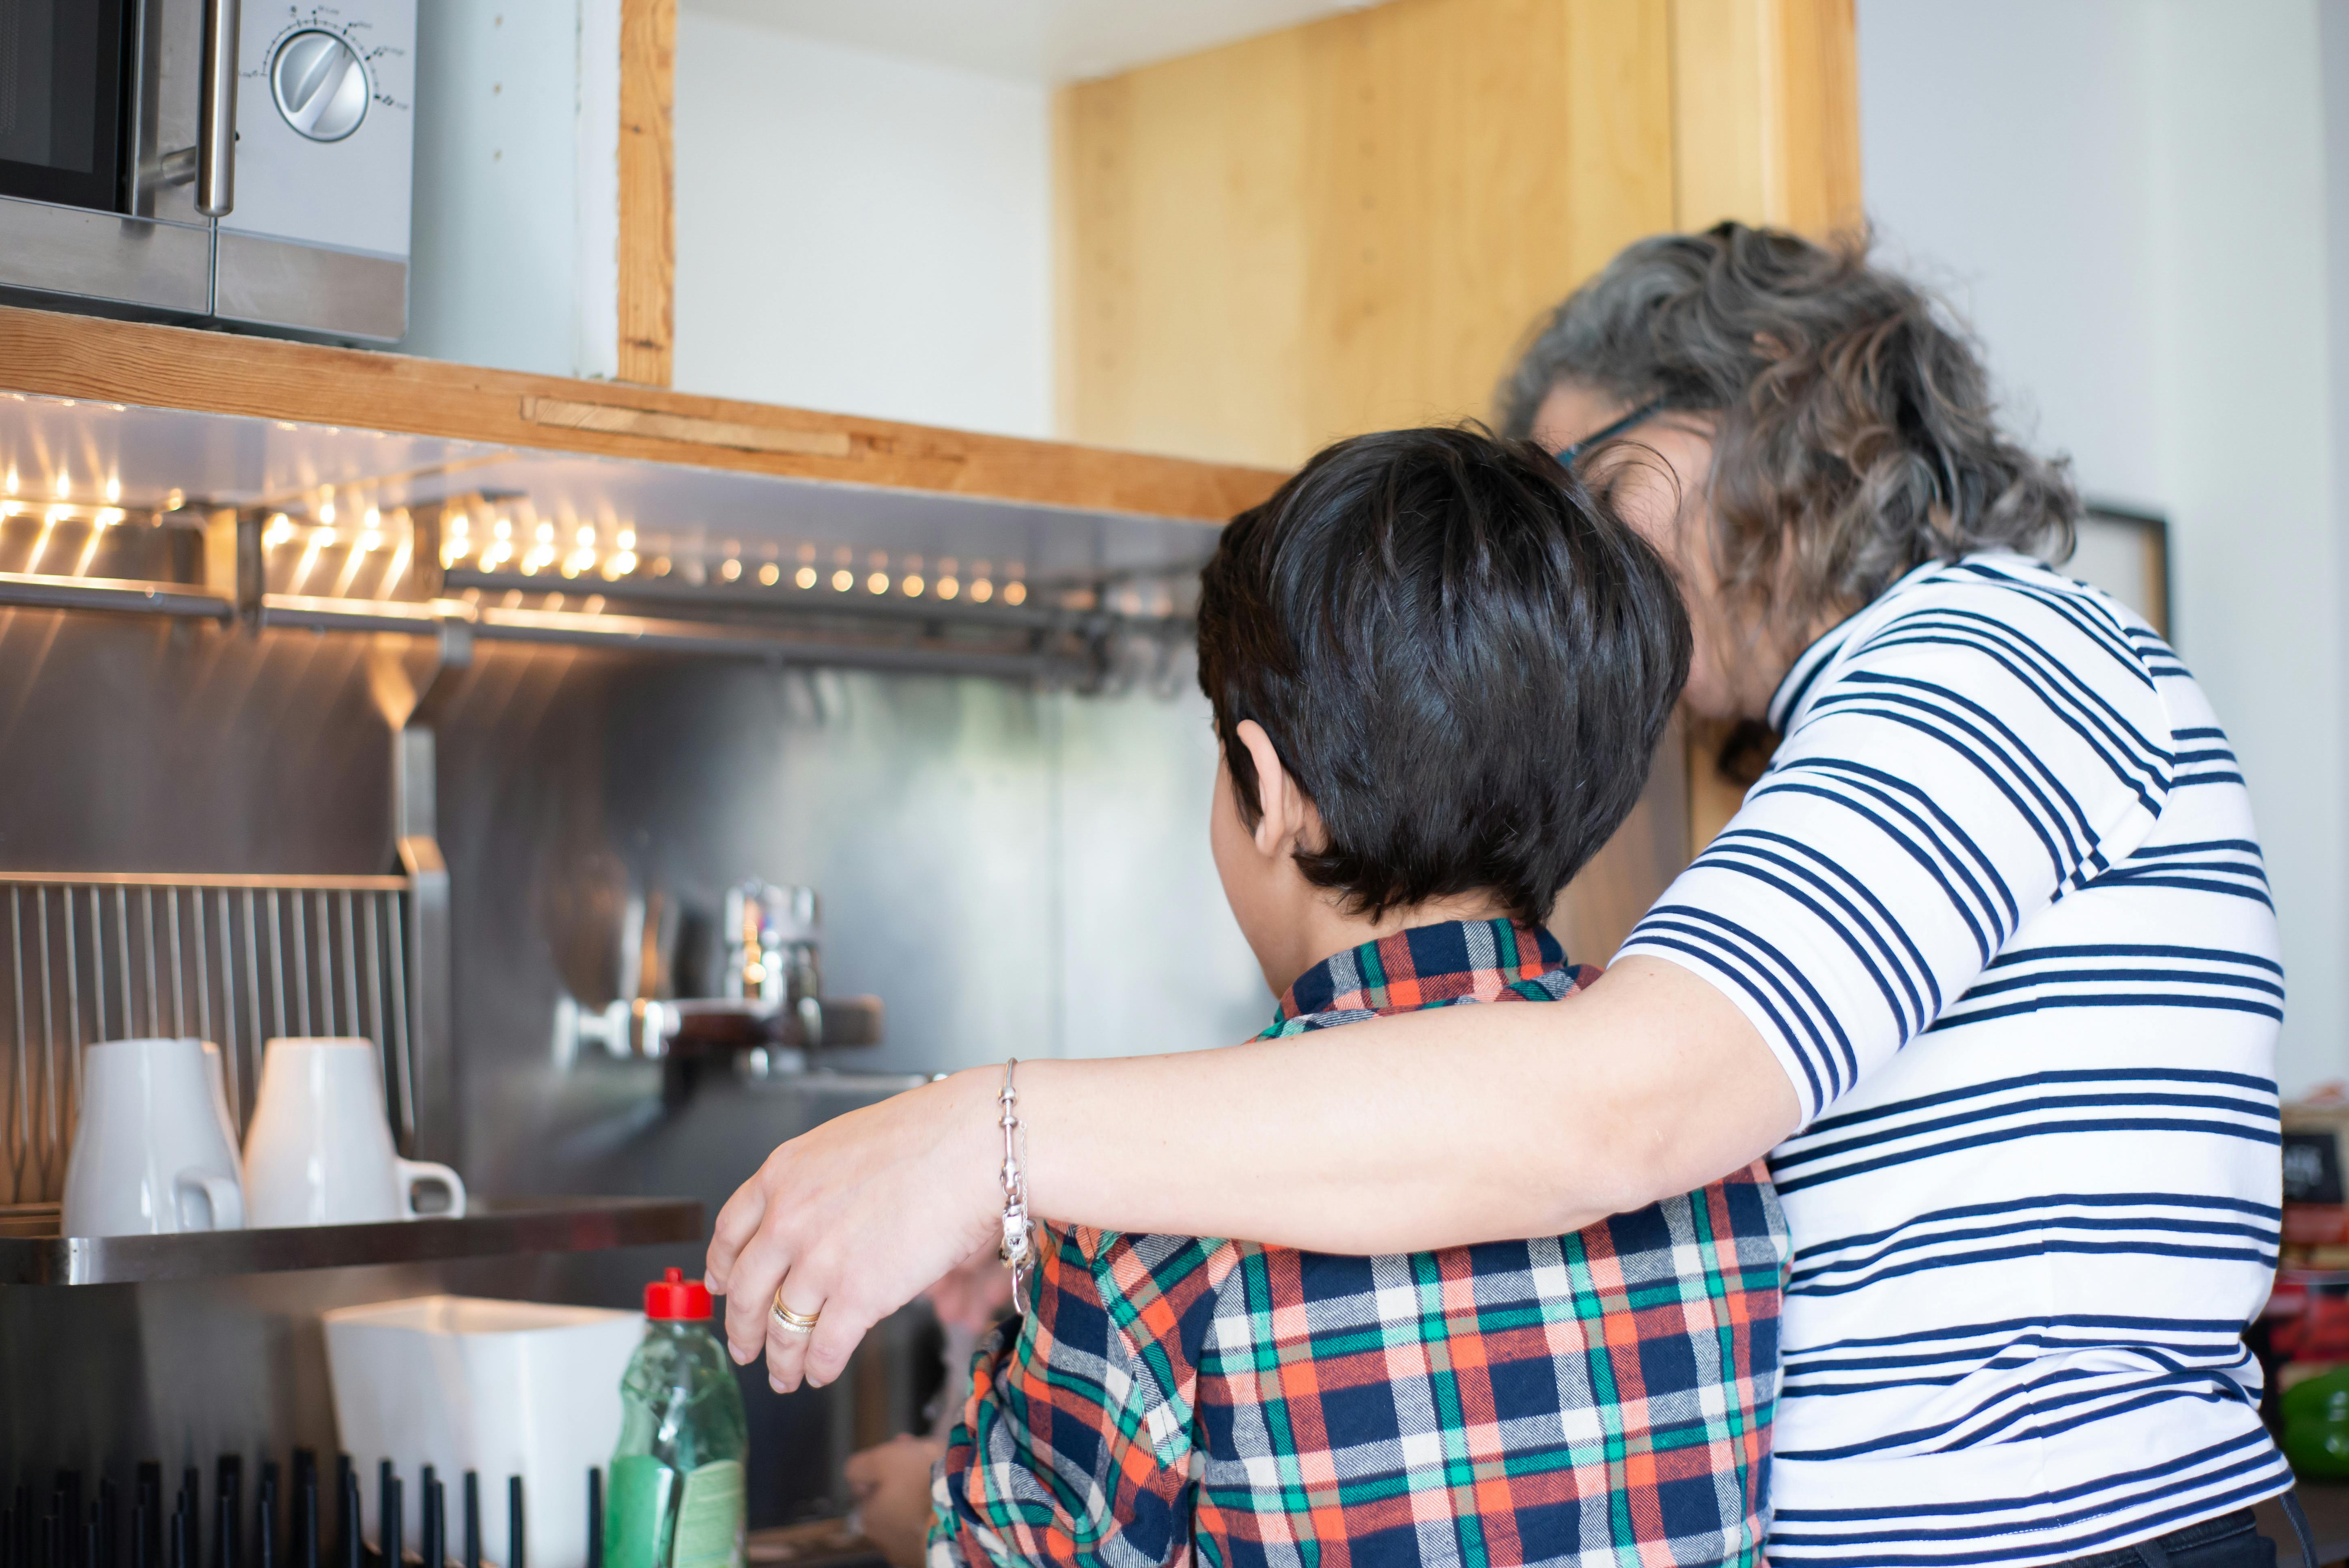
(1439, 668)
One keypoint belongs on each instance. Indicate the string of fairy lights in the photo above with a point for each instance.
(491, 540)
(62, 504)
(338, 546)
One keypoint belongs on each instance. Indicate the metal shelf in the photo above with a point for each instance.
(491, 1228)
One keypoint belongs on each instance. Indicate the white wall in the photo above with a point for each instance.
(2127, 199)
(860, 232)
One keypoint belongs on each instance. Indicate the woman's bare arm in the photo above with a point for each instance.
(1432, 1129)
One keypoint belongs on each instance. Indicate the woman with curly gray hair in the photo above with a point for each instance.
(1985, 967)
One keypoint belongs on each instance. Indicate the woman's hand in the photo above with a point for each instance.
(849, 1221)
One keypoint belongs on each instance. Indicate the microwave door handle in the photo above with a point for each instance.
(216, 127)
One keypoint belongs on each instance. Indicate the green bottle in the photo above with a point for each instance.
(676, 1494)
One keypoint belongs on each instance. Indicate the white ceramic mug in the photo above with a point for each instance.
(319, 1149)
(151, 1155)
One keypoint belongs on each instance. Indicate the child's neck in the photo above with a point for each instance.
(1322, 929)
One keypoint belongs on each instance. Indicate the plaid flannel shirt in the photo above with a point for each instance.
(1603, 1398)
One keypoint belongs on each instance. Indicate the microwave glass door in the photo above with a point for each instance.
(62, 67)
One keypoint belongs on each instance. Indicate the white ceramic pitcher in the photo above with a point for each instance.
(151, 1155)
(319, 1150)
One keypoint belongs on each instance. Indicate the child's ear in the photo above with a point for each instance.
(1283, 808)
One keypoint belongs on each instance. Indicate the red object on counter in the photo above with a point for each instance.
(673, 1296)
(2308, 1314)
(2316, 1224)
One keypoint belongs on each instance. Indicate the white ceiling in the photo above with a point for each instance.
(1031, 40)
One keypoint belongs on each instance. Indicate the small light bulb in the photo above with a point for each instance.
(374, 518)
(504, 528)
(627, 539)
(54, 515)
(981, 591)
(913, 586)
(109, 515)
(843, 579)
(948, 587)
(175, 499)
(805, 577)
(730, 571)
(12, 479)
(1014, 593)
(660, 565)
(546, 533)
(326, 537)
(878, 583)
(114, 490)
(64, 488)
(326, 512)
(587, 539)
(771, 574)
(460, 525)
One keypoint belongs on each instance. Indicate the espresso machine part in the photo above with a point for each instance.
(769, 1015)
(772, 943)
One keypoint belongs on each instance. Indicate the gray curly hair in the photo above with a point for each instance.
(1856, 436)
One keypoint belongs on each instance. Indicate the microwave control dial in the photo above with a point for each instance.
(320, 84)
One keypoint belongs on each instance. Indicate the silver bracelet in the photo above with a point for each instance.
(1017, 1249)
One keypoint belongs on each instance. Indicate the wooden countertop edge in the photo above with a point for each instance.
(67, 355)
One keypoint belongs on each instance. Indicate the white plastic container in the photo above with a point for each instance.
(503, 1388)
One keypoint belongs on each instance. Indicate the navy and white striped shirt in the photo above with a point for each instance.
(1999, 908)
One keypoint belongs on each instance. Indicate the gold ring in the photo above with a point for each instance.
(793, 1320)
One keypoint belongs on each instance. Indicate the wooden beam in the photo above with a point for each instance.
(648, 180)
(1766, 114)
(57, 355)
(1765, 97)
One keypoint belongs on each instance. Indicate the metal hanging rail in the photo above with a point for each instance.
(1075, 635)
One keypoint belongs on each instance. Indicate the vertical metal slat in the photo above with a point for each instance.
(277, 967)
(73, 982)
(154, 991)
(300, 966)
(48, 1013)
(404, 1105)
(22, 1164)
(230, 1046)
(203, 971)
(49, 1064)
(374, 974)
(179, 984)
(252, 980)
(350, 969)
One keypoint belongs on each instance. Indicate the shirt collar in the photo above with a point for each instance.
(1429, 966)
(1786, 703)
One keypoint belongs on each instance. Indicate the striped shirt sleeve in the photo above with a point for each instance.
(1957, 758)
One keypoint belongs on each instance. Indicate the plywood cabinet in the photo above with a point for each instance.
(1347, 225)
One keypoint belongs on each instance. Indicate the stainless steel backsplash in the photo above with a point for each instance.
(1012, 871)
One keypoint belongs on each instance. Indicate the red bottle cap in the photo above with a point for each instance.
(673, 1296)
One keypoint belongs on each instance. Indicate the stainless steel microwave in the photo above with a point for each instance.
(200, 159)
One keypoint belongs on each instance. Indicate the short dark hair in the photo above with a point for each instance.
(1462, 655)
